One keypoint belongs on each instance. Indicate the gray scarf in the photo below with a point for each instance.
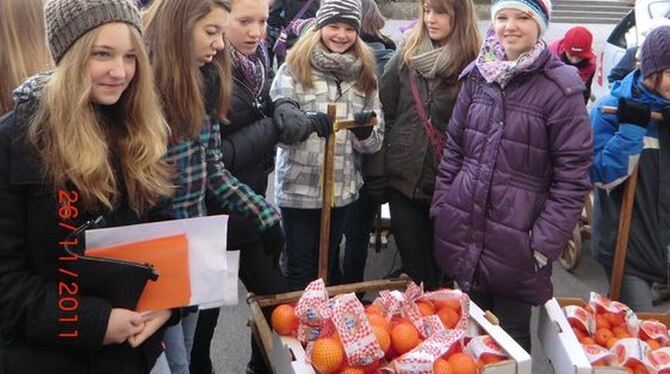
(345, 66)
(430, 61)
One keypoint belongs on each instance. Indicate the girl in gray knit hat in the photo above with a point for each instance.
(329, 64)
(85, 140)
(626, 140)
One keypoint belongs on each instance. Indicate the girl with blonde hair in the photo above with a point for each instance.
(23, 46)
(83, 141)
(329, 64)
(418, 92)
(192, 66)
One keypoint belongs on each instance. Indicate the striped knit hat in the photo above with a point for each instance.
(346, 11)
(540, 10)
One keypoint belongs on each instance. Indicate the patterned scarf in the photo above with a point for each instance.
(345, 66)
(252, 68)
(492, 63)
(430, 61)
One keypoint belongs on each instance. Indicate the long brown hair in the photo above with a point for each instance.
(77, 144)
(169, 36)
(299, 63)
(372, 20)
(23, 46)
(463, 42)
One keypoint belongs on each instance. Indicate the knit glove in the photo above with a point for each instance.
(321, 123)
(272, 240)
(362, 119)
(294, 126)
(633, 112)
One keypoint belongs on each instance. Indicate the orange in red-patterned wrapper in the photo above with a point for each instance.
(420, 360)
(659, 359)
(630, 351)
(443, 297)
(615, 312)
(599, 356)
(580, 318)
(351, 323)
(652, 329)
(313, 312)
(484, 346)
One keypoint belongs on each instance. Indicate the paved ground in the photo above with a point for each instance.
(230, 348)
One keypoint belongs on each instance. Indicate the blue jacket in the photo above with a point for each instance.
(618, 148)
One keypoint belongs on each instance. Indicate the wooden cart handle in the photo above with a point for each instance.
(656, 116)
(622, 234)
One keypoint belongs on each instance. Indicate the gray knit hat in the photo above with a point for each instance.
(655, 56)
(69, 20)
(346, 11)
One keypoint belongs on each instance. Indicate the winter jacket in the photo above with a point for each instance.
(298, 168)
(513, 179)
(618, 148)
(383, 49)
(625, 66)
(586, 67)
(32, 283)
(410, 161)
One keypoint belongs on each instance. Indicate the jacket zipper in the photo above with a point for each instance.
(256, 103)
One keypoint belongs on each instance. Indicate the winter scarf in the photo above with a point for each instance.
(344, 66)
(252, 68)
(430, 61)
(494, 67)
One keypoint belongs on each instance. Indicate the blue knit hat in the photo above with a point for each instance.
(540, 10)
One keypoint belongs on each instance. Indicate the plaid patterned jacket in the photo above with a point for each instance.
(200, 169)
(298, 168)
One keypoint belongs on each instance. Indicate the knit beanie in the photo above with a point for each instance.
(577, 42)
(540, 10)
(655, 56)
(346, 11)
(69, 20)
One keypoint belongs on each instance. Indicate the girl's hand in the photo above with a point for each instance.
(122, 324)
(152, 322)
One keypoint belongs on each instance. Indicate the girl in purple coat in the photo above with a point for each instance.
(514, 175)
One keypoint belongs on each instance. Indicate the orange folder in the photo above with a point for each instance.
(169, 257)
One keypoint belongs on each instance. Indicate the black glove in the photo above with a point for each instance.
(273, 243)
(294, 126)
(376, 187)
(362, 119)
(666, 115)
(321, 123)
(632, 112)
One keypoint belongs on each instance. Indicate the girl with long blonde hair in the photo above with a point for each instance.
(85, 140)
(329, 64)
(191, 61)
(23, 45)
(418, 92)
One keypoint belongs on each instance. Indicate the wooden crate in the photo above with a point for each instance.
(261, 328)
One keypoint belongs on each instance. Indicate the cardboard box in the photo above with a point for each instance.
(561, 345)
(288, 356)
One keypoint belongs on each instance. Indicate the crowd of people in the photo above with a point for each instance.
(142, 111)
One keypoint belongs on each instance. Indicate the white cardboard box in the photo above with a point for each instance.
(288, 356)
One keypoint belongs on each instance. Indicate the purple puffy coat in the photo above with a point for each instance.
(513, 179)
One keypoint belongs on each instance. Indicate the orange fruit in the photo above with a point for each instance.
(602, 322)
(454, 304)
(587, 340)
(620, 332)
(374, 309)
(352, 370)
(426, 308)
(441, 366)
(487, 358)
(449, 317)
(376, 319)
(327, 355)
(372, 368)
(590, 309)
(602, 336)
(615, 319)
(610, 342)
(462, 363)
(404, 337)
(653, 344)
(284, 320)
(383, 337)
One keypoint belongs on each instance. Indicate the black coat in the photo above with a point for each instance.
(30, 231)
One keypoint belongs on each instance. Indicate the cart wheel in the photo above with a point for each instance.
(572, 252)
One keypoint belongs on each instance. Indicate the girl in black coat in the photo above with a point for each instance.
(85, 140)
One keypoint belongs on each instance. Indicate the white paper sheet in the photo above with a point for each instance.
(210, 266)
